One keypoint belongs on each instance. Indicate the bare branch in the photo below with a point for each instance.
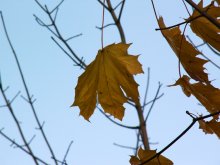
(117, 21)
(196, 47)
(194, 120)
(154, 100)
(56, 8)
(65, 52)
(19, 146)
(78, 35)
(121, 125)
(15, 97)
(66, 154)
(6, 100)
(161, 95)
(38, 3)
(203, 13)
(28, 97)
(122, 146)
(106, 7)
(147, 87)
(100, 28)
(143, 128)
(213, 50)
(118, 5)
(121, 10)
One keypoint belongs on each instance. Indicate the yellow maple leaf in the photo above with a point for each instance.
(108, 79)
(208, 95)
(144, 155)
(210, 127)
(185, 52)
(203, 28)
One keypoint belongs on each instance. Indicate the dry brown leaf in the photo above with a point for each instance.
(186, 53)
(203, 28)
(144, 155)
(210, 127)
(108, 79)
(208, 95)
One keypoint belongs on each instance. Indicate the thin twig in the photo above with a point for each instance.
(65, 51)
(161, 95)
(27, 90)
(194, 120)
(121, 10)
(78, 35)
(121, 125)
(106, 7)
(122, 146)
(147, 88)
(8, 103)
(196, 47)
(117, 21)
(57, 6)
(203, 13)
(153, 102)
(184, 3)
(20, 147)
(67, 152)
(118, 5)
(100, 28)
(213, 50)
(143, 128)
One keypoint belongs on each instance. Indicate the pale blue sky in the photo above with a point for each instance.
(51, 77)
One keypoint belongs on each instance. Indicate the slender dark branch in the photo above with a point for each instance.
(106, 7)
(194, 120)
(203, 13)
(20, 147)
(121, 125)
(38, 3)
(66, 154)
(213, 63)
(191, 115)
(100, 28)
(15, 97)
(0, 78)
(117, 21)
(31, 139)
(161, 95)
(64, 51)
(40, 22)
(56, 8)
(121, 10)
(122, 146)
(60, 37)
(181, 23)
(154, 9)
(184, 3)
(197, 46)
(213, 50)
(6, 100)
(147, 88)
(118, 5)
(143, 128)
(78, 35)
(130, 102)
(55, 16)
(27, 91)
(153, 102)
(19, 127)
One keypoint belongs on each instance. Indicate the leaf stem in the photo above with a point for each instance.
(103, 20)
